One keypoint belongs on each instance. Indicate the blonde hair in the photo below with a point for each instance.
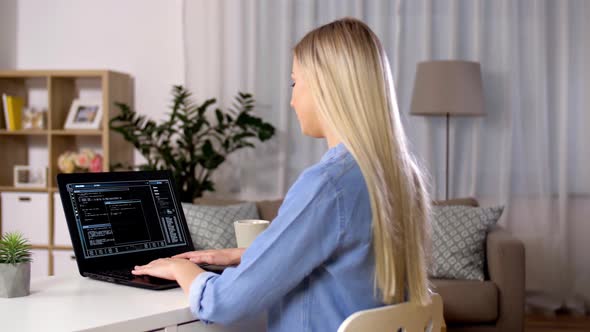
(348, 73)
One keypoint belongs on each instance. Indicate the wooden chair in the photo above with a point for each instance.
(406, 317)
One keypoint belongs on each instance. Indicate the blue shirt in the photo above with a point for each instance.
(312, 267)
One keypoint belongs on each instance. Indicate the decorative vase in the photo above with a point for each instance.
(15, 280)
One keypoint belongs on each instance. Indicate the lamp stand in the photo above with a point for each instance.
(447, 160)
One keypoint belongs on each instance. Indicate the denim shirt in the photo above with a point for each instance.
(312, 267)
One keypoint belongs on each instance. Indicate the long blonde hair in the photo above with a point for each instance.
(348, 73)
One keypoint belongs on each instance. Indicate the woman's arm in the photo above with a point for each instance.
(229, 256)
(181, 269)
(304, 235)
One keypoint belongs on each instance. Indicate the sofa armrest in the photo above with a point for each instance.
(506, 267)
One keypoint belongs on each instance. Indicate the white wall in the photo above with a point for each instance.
(7, 34)
(140, 37)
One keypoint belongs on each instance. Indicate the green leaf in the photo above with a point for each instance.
(219, 116)
(213, 162)
(266, 132)
(241, 136)
(207, 185)
(204, 106)
(208, 149)
(14, 249)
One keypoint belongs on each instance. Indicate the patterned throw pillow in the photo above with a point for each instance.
(212, 227)
(458, 239)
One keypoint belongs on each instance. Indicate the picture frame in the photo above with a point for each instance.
(26, 176)
(84, 114)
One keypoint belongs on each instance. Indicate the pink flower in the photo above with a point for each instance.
(96, 164)
(82, 160)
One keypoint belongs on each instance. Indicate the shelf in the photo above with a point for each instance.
(77, 132)
(56, 132)
(25, 189)
(23, 132)
(57, 73)
(62, 248)
(56, 89)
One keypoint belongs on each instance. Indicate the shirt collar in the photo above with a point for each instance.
(334, 152)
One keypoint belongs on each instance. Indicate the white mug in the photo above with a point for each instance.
(247, 230)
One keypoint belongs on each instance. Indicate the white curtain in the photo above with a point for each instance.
(529, 153)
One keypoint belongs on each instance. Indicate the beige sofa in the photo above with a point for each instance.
(496, 304)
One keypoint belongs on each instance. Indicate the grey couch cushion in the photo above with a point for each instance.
(212, 227)
(468, 301)
(458, 239)
(267, 209)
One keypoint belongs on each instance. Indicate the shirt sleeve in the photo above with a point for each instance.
(305, 233)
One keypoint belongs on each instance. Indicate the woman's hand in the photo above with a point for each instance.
(165, 268)
(181, 270)
(231, 256)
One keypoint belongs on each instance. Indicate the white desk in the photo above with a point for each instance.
(74, 303)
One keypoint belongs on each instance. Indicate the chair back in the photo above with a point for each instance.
(406, 317)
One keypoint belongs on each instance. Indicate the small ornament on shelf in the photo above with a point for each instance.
(34, 118)
(79, 162)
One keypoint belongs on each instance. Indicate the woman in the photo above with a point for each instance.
(351, 232)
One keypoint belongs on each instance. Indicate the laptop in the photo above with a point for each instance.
(118, 220)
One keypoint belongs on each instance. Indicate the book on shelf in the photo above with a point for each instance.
(4, 112)
(13, 109)
(2, 117)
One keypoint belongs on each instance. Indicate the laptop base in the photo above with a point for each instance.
(145, 282)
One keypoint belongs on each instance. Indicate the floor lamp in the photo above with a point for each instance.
(448, 88)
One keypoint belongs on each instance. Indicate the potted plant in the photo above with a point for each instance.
(190, 143)
(15, 265)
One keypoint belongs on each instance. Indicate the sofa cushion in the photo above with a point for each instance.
(212, 227)
(458, 240)
(468, 301)
(211, 201)
(267, 209)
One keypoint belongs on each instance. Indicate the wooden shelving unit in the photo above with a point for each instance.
(61, 88)
(24, 132)
(15, 189)
(78, 132)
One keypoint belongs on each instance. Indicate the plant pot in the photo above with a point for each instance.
(15, 280)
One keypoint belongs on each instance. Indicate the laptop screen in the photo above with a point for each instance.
(122, 217)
